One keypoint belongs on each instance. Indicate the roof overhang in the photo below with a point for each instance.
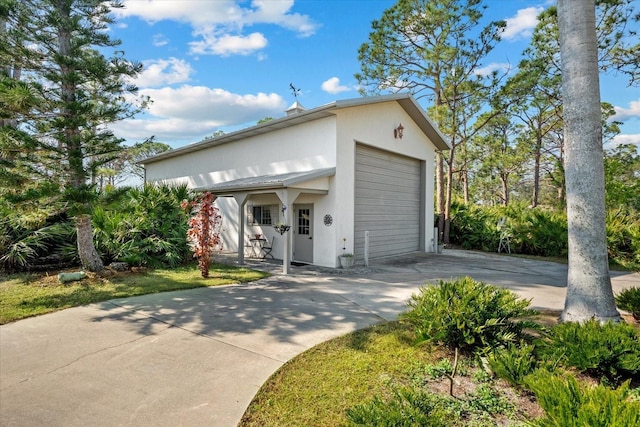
(314, 181)
(406, 101)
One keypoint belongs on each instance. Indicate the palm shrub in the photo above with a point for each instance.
(533, 231)
(568, 403)
(539, 231)
(513, 362)
(35, 240)
(148, 227)
(610, 350)
(406, 407)
(468, 315)
(623, 235)
(629, 300)
(473, 227)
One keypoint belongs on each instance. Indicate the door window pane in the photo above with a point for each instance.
(303, 222)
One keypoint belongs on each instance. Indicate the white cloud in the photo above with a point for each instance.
(194, 12)
(333, 86)
(159, 72)
(169, 131)
(623, 140)
(623, 114)
(228, 45)
(504, 67)
(160, 40)
(522, 24)
(188, 113)
(219, 24)
(277, 12)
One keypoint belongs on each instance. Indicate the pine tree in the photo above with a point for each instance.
(80, 91)
(432, 48)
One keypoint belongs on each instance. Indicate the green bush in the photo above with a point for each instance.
(540, 231)
(474, 228)
(513, 363)
(533, 231)
(629, 300)
(406, 407)
(623, 236)
(141, 226)
(468, 315)
(36, 240)
(567, 403)
(148, 228)
(610, 350)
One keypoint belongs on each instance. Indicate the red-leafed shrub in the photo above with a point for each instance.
(204, 230)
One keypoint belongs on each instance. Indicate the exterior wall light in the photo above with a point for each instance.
(397, 132)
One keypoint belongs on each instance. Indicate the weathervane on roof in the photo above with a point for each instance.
(294, 90)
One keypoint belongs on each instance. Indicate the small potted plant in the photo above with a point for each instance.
(346, 259)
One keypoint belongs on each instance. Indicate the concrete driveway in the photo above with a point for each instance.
(193, 358)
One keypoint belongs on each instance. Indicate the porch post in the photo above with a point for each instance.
(241, 199)
(286, 255)
(288, 197)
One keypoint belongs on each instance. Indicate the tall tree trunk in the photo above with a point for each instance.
(589, 293)
(504, 181)
(440, 202)
(536, 170)
(465, 185)
(86, 249)
(76, 175)
(448, 196)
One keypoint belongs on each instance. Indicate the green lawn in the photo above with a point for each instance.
(27, 295)
(318, 387)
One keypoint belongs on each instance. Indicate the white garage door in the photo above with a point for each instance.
(387, 203)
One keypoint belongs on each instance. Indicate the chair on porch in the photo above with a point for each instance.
(248, 248)
(267, 248)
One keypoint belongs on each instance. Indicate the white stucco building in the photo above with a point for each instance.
(345, 170)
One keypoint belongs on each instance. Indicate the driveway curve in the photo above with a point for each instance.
(197, 357)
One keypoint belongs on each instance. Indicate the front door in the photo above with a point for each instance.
(303, 233)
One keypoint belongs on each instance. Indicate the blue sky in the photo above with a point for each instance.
(225, 64)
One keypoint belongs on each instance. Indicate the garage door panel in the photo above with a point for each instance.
(380, 250)
(373, 156)
(377, 222)
(388, 202)
(386, 231)
(368, 171)
(403, 179)
(370, 189)
(375, 189)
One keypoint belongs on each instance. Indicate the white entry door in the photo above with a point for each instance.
(303, 233)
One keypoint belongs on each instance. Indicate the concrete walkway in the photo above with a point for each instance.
(194, 358)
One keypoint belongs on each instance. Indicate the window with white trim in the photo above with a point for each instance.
(263, 214)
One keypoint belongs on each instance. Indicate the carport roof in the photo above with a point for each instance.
(268, 182)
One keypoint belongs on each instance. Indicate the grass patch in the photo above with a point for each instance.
(319, 386)
(322, 385)
(27, 295)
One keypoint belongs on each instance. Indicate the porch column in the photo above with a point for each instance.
(287, 197)
(286, 255)
(241, 199)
